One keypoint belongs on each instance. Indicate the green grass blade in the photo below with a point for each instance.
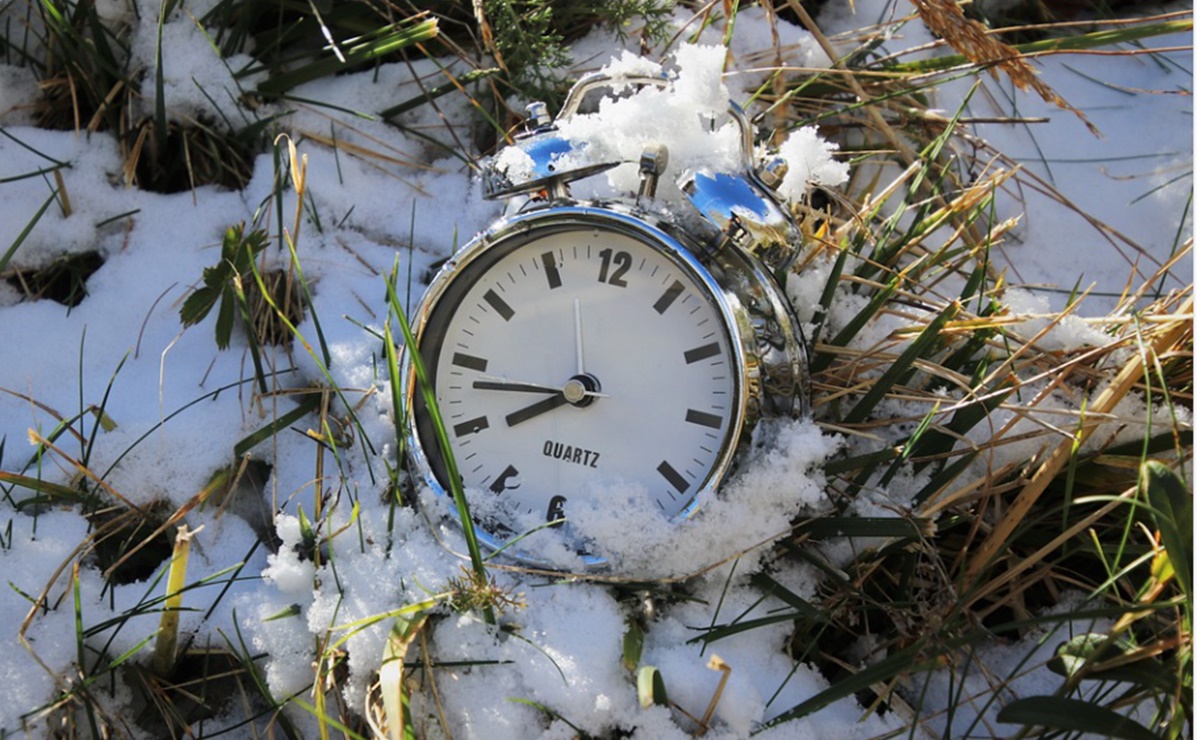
(433, 93)
(160, 102)
(50, 490)
(1072, 715)
(859, 462)
(25, 232)
(377, 44)
(427, 392)
(252, 440)
(1079, 42)
(854, 327)
(856, 526)
(902, 366)
(907, 660)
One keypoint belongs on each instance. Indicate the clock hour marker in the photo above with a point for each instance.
(664, 302)
(472, 426)
(470, 362)
(703, 352)
(501, 484)
(673, 477)
(554, 512)
(496, 302)
(551, 265)
(703, 419)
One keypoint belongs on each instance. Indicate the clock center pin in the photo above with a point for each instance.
(581, 389)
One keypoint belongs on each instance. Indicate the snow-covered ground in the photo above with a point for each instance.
(176, 407)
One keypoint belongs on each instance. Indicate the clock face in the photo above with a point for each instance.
(569, 359)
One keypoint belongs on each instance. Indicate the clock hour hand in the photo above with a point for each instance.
(537, 409)
(579, 391)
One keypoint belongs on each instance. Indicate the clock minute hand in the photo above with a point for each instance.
(520, 386)
(508, 385)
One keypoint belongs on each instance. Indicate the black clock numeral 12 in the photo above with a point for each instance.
(623, 261)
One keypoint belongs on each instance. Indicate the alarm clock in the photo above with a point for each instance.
(580, 344)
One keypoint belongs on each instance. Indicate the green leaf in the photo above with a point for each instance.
(285, 613)
(216, 276)
(197, 305)
(225, 319)
(1081, 654)
(1171, 506)
(308, 535)
(1072, 715)
(631, 646)
(650, 687)
(106, 422)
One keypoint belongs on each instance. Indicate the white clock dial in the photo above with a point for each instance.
(576, 358)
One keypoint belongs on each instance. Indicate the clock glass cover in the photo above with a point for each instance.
(570, 357)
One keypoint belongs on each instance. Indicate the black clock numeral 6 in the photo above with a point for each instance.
(623, 260)
(554, 512)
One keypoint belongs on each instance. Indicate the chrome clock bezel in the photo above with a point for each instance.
(709, 269)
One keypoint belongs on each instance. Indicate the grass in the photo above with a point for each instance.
(1033, 526)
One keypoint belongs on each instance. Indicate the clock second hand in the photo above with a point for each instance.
(578, 339)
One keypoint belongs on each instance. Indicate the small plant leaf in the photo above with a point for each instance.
(225, 317)
(391, 676)
(238, 250)
(631, 645)
(1171, 507)
(1072, 715)
(1074, 654)
(650, 687)
(106, 422)
(308, 535)
(1083, 654)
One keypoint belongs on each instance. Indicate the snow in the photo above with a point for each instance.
(179, 407)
